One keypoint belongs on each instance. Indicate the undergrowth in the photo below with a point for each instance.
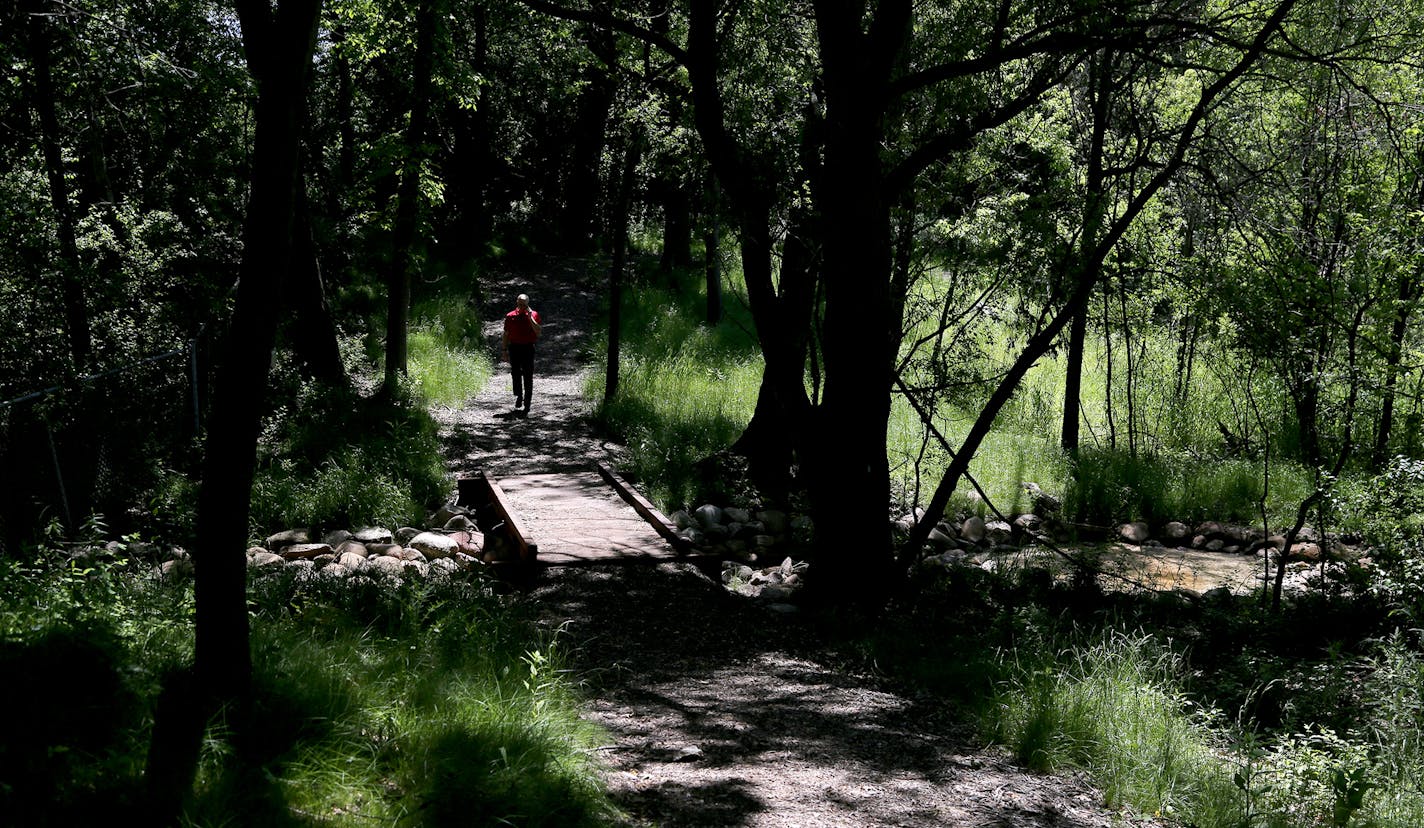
(686, 390)
(376, 703)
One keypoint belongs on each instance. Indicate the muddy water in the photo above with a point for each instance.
(1127, 567)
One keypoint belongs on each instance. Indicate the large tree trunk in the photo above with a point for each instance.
(279, 56)
(769, 441)
(408, 198)
(845, 460)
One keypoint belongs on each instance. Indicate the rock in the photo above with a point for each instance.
(253, 550)
(463, 560)
(374, 534)
(940, 541)
(434, 545)
(284, 539)
(1210, 529)
(176, 571)
(323, 560)
(694, 536)
(416, 568)
(381, 549)
(784, 609)
(973, 530)
(777, 523)
(708, 516)
(1028, 522)
(459, 523)
(682, 520)
(411, 554)
(997, 531)
(263, 559)
(763, 542)
(335, 538)
(1308, 551)
(305, 551)
(471, 542)
(1135, 532)
(352, 547)
(1043, 502)
(336, 570)
(444, 513)
(443, 567)
(351, 561)
(735, 515)
(385, 565)
(1198, 541)
(716, 533)
(405, 533)
(1175, 530)
(1215, 545)
(689, 753)
(776, 593)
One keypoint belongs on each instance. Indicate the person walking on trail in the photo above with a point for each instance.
(521, 331)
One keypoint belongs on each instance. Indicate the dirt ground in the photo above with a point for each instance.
(718, 713)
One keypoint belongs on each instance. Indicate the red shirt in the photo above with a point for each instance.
(518, 329)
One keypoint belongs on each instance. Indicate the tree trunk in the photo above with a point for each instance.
(578, 217)
(712, 244)
(677, 228)
(632, 154)
(1072, 383)
(407, 218)
(76, 313)
(768, 442)
(312, 331)
(1395, 356)
(278, 53)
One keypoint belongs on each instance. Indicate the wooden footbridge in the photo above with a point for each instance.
(572, 519)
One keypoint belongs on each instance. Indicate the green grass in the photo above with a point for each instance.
(375, 704)
(686, 390)
(442, 374)
(335, 459)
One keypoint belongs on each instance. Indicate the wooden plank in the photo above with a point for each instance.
(645, 509)
(478, 490)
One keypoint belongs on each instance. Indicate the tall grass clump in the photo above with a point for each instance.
(403, 703)
(448, 360)
(1106, 486)
(1107, 708)
(1111, 709)
(375, 702)
(333, 458)
(686, 390)
(443, 375)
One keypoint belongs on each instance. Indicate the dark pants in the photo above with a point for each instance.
(521, 367)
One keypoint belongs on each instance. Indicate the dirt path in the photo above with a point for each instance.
(718, 713)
